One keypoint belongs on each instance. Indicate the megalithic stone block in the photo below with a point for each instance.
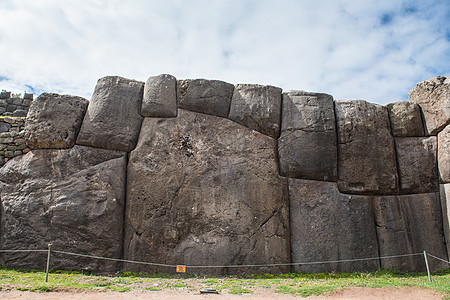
(307, 147)
(54, 121)
(444, 154)
(366, 149)
(160, 97)
(113, 119)
(406, 119)
(257, 107)
(433, 96)
(445, 205)
(327, 225)
(417, 164)
(410, 224)
(212, 97)
(72, 198)
(203, 190)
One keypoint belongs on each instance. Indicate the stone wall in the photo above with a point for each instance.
(14, 107)
(12, 138)
(203, 172)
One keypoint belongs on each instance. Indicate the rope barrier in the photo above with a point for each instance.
(438, 258)
(222, 266)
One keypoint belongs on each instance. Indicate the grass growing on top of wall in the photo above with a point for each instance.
(293, 283)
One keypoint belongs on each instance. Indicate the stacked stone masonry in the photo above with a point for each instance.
(203, 172)
(12, 139)
(15, 106)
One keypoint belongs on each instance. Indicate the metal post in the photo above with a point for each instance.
(426, 263)
(48, 262)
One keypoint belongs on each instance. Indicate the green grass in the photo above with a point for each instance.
(297, 284)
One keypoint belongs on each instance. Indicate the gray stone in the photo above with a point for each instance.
(21, 146)
(3, 146)
(160, 97)
(27, 102)
(444, 155)
(20, 113)
(410, 224)
(9, 120)
(2, 110)
(17, 153)
(12, 147)
(7, 113)
(203, 190)
(307, 146)
(72, 198)
(433, 96)
(327, 225)
(3, 103)
(4, 127)
(366, 162)
(17, 101)
(417, 164)
(212, 97)
(54, 121)
(257, 107)
(5, 95)
(6, 134)
(445, 204)
(11, 107)
(19, 140)
(113, 119)
(2, 161)
(6, 140)
(406, 119)
(9, 154)
(27, 96)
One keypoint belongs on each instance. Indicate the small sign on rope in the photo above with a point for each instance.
(181, 269)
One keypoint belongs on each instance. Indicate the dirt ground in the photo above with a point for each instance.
(406, 293)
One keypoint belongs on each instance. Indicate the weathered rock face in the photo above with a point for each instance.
(160, 97)
(212, 97)
(307, 146)
(327, 225)
(257, 107)
(366, 161)
(433, 96)
(445, 204)
(71, 198)
(406, 119)
(417, 165)
(444, 155)
(410, 224)
(113, 119)
(54, 121)
(203, 190)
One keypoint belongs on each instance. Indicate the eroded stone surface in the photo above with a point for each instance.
(72, 198)
(327, 225)
(212, 97)
(417, 164)
(54, 121)
(160, 97)
(445, 205)
(257, 107)
(433, 96)
(307, 146)
(366, 162)
(203, 190)
(113, 119)
(410, 224)
(444, 155)
(406, 119)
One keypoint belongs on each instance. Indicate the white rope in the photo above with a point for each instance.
(438, 258)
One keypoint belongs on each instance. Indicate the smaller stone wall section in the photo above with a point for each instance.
(12, 142)
(15, 107)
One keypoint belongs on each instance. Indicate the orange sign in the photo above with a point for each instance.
(181, 269)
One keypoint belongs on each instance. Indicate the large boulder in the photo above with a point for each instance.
(203, 190)
(212, 97)
(257, 107)
(113, 119)
(433, 96)
(410, 224)
(406, 119)
(445, 204)
(444, 155)
(417, 164)
(327, 226)
(71, 198)
(54, 121)
(160, 97)
(366, 162)
(307, 147)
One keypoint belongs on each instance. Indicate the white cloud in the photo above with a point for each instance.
(373, 50)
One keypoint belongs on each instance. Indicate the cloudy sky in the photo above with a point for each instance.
(372, 50)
